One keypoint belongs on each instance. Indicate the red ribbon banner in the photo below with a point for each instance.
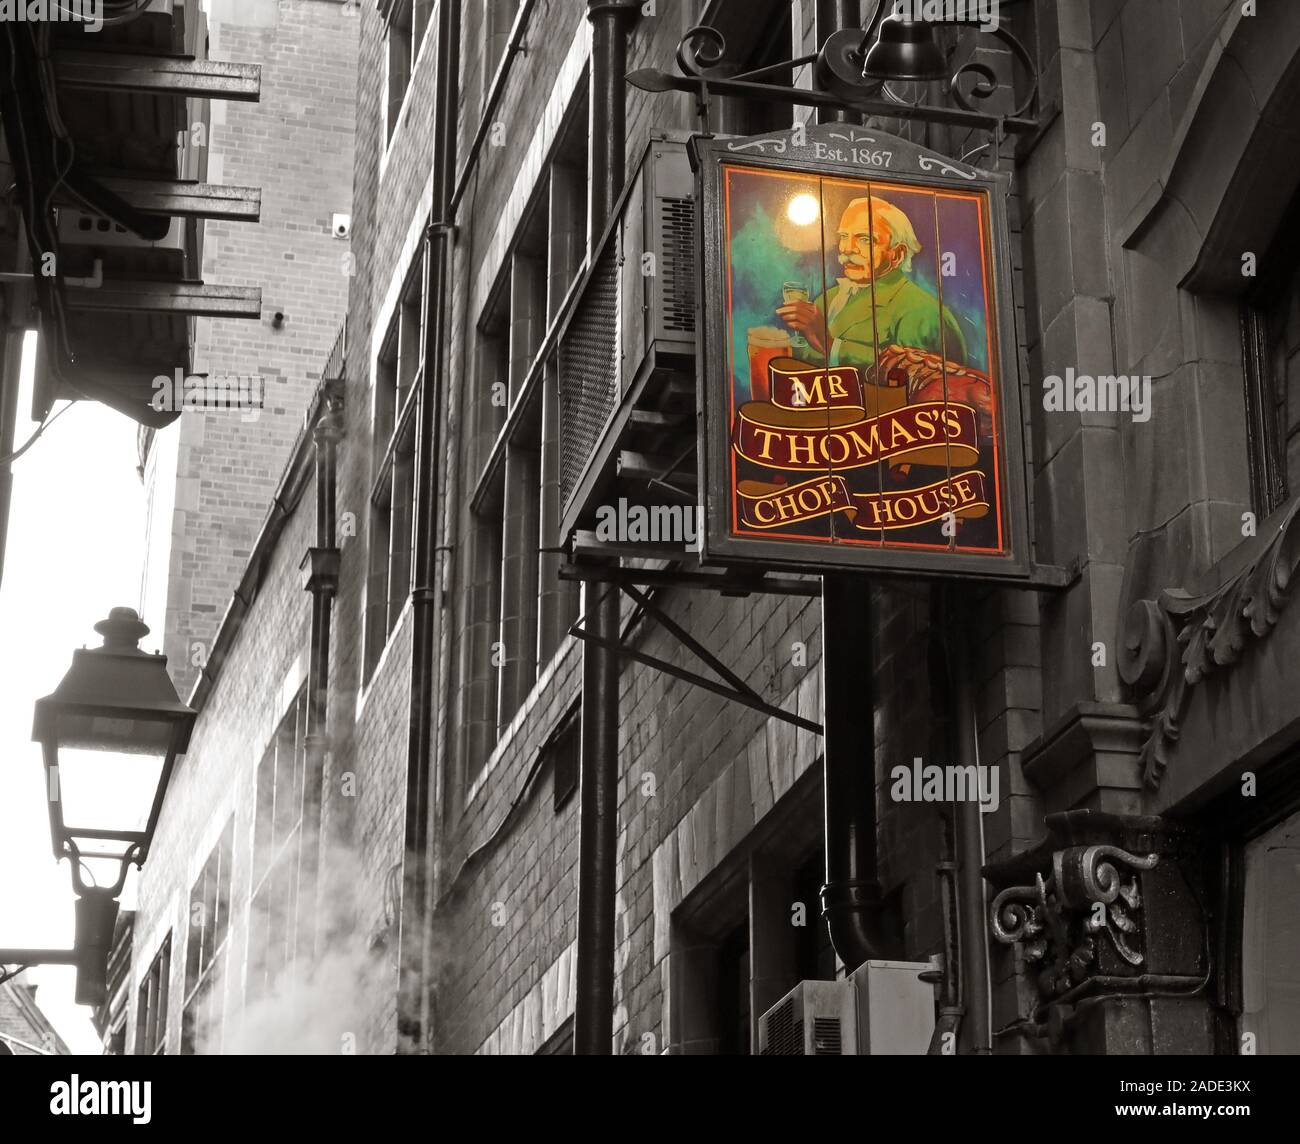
(764, 505)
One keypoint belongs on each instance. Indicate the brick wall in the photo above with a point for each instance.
(217, 777)
(296, 145)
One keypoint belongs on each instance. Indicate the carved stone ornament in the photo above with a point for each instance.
(1170, 644)
(1091, 896)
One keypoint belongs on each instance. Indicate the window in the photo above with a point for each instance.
(733, 992)
(277, 832)
(560, 1043)
(498, 19)
(151, 1004)
(564, 751)
(209, 922)
(392, 493)
(750, 932)
(1271, 348)
(517, 610)
(1271, 915)
(405, 25)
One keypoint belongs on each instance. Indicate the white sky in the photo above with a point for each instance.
(75, 550)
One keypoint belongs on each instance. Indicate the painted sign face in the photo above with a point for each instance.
(856, 335)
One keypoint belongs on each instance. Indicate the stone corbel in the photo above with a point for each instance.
(1078, 904)
(1171, 643)
(1092, 895)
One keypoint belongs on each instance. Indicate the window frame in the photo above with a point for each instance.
(151, 1003)
(273, 890)
(204, 980)
(410, 19)
(521, 424)
(394, 403)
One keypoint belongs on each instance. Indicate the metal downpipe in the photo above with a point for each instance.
(593, 1022)
(851, 896)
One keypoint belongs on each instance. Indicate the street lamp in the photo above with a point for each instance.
(109, 733)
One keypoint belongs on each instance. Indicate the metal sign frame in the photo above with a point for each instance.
(846, 151)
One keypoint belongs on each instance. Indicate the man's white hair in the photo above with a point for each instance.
(901, 231)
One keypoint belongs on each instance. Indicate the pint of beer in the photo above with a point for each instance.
(765, 343)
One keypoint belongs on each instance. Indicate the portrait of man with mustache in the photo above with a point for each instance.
(875, 302)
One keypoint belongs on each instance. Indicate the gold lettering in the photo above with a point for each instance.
(909, 503)
(801, 395)
(785, 506)
(898, 430)
(922, 504)
(826, 448)
(963, 487)
(804, 504)
(882, 507)
(924, 424)
(868, 448)
(767, 436)
(793, 448)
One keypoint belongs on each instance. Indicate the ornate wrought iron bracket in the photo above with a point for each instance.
(838, 82)
(1172, 643)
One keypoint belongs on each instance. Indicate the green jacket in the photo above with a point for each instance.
(905, 315)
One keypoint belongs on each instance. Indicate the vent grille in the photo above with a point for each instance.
(677, 226)
(784, 1032)
(826, 1037)
(589, 371)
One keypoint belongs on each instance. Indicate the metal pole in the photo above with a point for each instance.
(413, 918)
(39, 957)
(970, 844)
(593, 1021)
(323, 585)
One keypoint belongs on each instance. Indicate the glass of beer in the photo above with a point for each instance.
(765, 343)
(795, 292)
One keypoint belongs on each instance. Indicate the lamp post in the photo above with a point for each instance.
(110, 734)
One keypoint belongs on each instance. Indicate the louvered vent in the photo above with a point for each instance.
(589, 371)
(677, 225)
(784, 1031)
(826, 1037)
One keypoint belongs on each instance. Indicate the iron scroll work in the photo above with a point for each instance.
(861, 401)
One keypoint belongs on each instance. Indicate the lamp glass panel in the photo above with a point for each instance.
(127, 734)
(107, 790)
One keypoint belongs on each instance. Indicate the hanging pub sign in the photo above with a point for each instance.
(861, 401)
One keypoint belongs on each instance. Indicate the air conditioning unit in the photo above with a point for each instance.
(629, 343)
(815, 1019)
(895, 1007)
(882, 1009)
